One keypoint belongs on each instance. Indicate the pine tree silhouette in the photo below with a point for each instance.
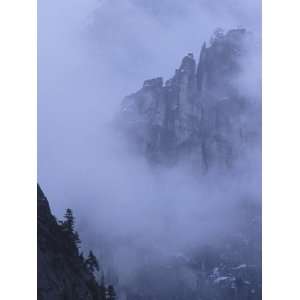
(92, 263)
(111, 294)
(68, 229)
(68, 224)
(76, 238)
(102, 288)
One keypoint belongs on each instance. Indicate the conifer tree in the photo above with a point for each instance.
(76, 238)
(111, 294)
(102, 288)
(81, 257)
(68, 224)
(92, 262)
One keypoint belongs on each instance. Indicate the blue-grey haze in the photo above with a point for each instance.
(90, 55)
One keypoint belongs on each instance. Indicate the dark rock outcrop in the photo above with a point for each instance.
(62, 274)
(199, 114)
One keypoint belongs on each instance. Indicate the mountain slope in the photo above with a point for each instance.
(62, 274)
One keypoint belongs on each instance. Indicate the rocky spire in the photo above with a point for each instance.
(188, 116)
(201, 68)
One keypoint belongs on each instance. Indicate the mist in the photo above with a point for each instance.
(91, 54)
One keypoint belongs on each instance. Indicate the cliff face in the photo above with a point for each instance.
(200, 113)
(61, 271)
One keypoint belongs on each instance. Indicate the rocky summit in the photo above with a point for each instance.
(201, 114)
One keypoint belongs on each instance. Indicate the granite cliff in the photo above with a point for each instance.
(200, 114)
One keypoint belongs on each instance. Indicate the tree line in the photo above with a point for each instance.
(90, 263)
